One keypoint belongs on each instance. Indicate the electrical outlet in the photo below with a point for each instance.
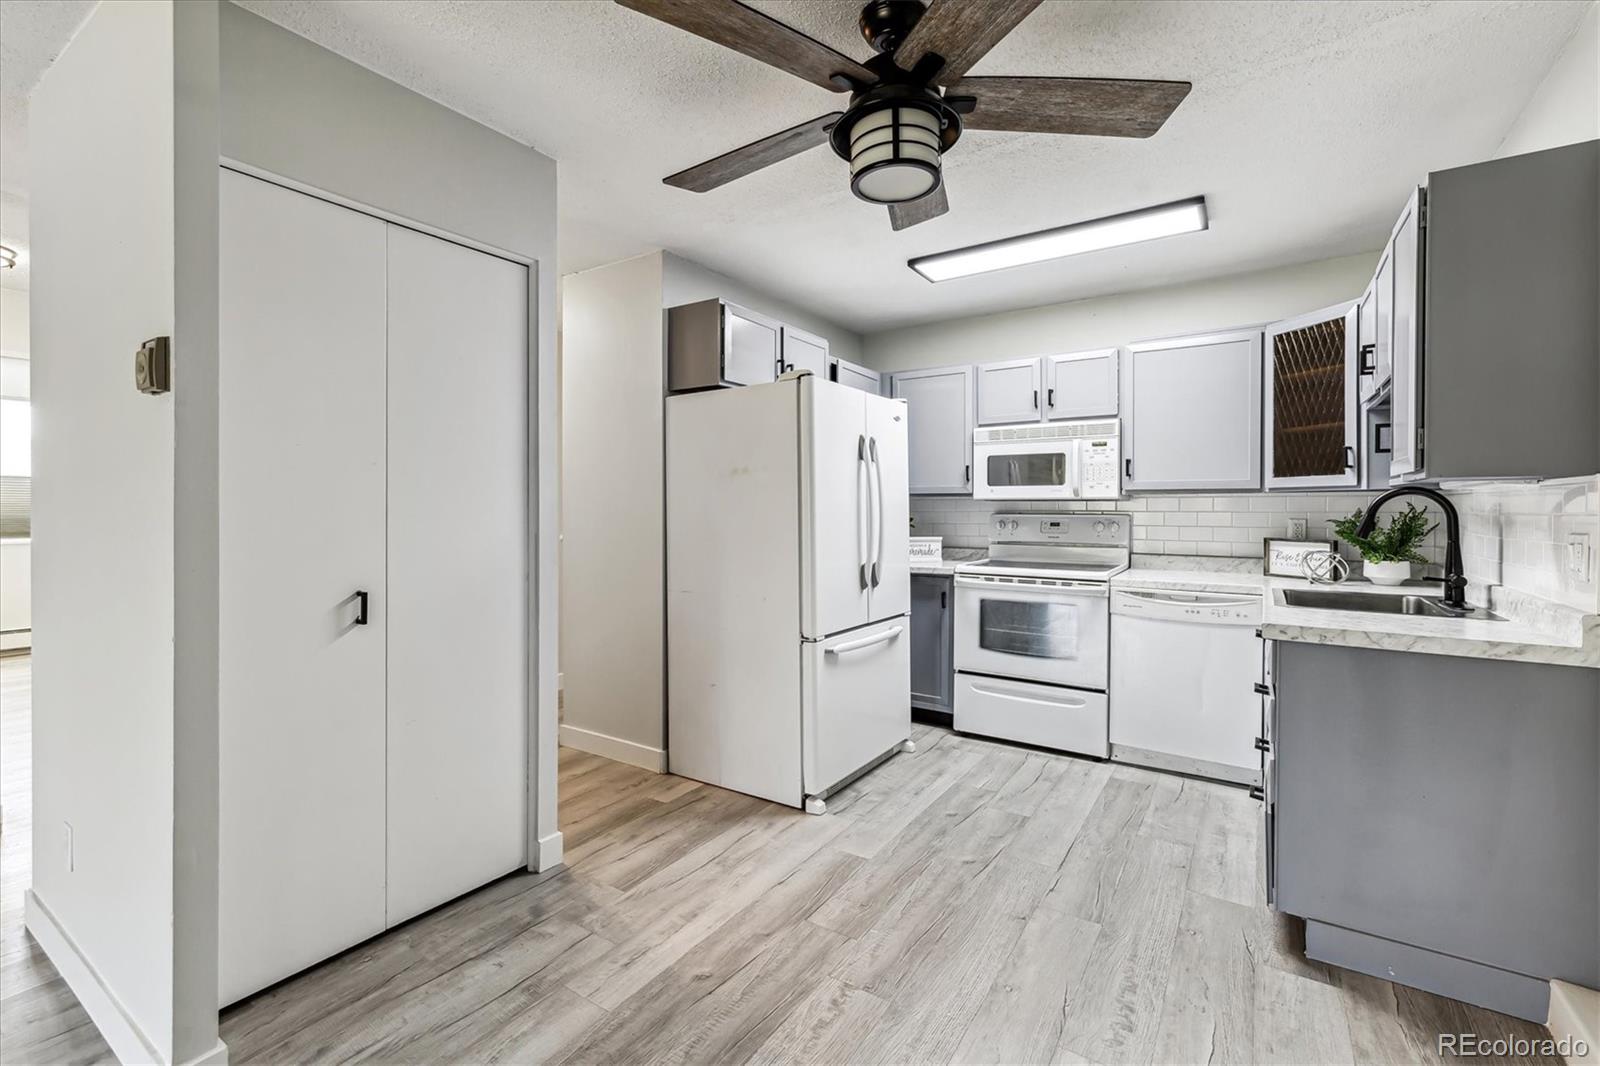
(1297, 529)
(1578, 565)
(66, 842)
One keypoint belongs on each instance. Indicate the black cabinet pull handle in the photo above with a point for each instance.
(1349, 457)
(1127, 468)
(1262, 690)
(1257, 792)
(1050, 399)
(1262, 745)
(1364, 367)
(943, 601)
(1035, 399)
(361, 608)
(969, 473)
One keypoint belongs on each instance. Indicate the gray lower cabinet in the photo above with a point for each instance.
(939, 405)
(1191, 412)
(1433, 818)
(932, 643)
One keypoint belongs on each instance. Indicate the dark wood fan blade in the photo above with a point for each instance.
(902, 216)
(732, 25)
(1095, 107)
(960, 32)
(752, 157)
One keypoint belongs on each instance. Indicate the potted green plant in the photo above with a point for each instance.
(1387, 554)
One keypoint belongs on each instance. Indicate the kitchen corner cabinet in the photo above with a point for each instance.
(1009, 391)
(939, 413)
(1309, 407)
(713, 343)
(804, 351)
(1191, 412)
(1081, 385)
(932, 643)
(855, 376)
(1495, 267)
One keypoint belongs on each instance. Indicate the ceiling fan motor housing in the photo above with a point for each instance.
(892, 136)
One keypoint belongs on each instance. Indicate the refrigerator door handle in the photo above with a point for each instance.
(863, 476)
(865, 642)
(877, 509)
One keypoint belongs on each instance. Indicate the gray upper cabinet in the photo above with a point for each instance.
(713, 343)
(804, 351)
(855, 376)
(1504, 382)
(939, 410)
(1312, 438)
(1009, 391)
(1191, 412)
(1081, 385)
(1405, 344)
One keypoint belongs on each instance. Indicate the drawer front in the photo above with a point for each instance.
(1066, 719)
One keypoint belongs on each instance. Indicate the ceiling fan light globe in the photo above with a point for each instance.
(894, 155)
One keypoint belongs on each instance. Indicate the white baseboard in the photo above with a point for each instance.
(217, 1056)
(608, 747)
(548, 852)
(117, 1027)
(1575, 1014)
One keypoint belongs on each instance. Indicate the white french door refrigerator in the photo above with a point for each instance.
(788, 587)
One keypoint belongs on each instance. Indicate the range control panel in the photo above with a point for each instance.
(1110, 529)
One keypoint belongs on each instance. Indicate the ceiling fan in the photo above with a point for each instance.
(909, 102)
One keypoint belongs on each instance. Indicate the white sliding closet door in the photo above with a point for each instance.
(301, 448)
(458, 575)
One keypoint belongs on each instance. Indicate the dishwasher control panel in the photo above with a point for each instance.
(1213, 608)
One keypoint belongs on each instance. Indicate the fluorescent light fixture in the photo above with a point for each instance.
(1146, 224)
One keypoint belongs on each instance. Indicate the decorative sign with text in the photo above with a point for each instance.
(927, 549)
(1286, 558)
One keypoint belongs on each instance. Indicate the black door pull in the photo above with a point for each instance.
(1050, 399)
(1258, 793)
(1349, 457)
(1127, 468)
(361, 608)
(1262, 690)
(1262, 745)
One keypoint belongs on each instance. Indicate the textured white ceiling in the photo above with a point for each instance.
(1306, 125)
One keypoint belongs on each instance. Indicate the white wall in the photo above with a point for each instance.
(123, 133)
(1565, 108)
(14, 323)
(298, 111)
(685, 281)
(613, 465)
(613, 550)
(1102, 322)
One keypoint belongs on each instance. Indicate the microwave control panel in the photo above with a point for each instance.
(1102, 467)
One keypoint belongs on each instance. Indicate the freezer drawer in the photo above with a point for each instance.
(856, 689)
(1051, 716)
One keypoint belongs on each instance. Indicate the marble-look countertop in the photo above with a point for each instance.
(947, 565)
(1530, 632)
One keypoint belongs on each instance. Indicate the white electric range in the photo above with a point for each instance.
(1032, 629)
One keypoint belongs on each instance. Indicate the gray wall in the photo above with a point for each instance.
(298, 111)
(1106, 321)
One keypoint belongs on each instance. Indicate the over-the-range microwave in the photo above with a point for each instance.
(1048, 461)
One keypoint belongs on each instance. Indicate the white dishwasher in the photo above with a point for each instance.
(1182, 687)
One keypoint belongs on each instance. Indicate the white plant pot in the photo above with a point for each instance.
(1387, 573)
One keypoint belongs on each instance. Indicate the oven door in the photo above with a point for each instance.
(1054, 632)
(1027, 470)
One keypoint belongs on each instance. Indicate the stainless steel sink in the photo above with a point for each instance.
(1380, 603)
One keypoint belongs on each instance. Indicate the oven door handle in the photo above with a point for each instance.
(1095, 591)
(1028, 697)
(1192, 599)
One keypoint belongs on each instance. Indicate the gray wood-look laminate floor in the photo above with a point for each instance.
(972, 902)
